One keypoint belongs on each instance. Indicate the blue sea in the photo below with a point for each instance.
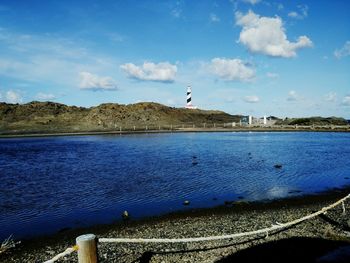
(52, 183)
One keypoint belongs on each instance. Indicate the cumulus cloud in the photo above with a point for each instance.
(292, 96)
(346, 101)
(266, 35)
(13, 97)
(331, 97)
(251, 99)
(232, 69)
(163, 72)
(89, 81)
(45, 96)
(214, 18)
(344, 51)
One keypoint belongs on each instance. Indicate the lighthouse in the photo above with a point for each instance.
(189, 99)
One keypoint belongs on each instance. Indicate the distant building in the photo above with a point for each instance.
(250, 120)
(244, 120)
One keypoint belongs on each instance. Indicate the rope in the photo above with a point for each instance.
(68, 251)
(222, 237)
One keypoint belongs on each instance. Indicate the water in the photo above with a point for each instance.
(47, 184)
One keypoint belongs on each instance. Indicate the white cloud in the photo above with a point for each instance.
(280, 6)
(251, 99)
(344, 51)
(301, 14)
(232, 69)
(48, 59)
(177, 9)
(266, 35)
(293, 14)
(346, 101)
(292, 96)
(163, 71)
(214, 18)
(13, 97)
(253, 2)
(45, 96)
(176, 12)
(89, 81)
(331, 97)
(272, 75)
(115, 37)
(304, 10)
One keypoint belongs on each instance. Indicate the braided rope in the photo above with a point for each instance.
(222, 237)
(265, 231)
(68, 251)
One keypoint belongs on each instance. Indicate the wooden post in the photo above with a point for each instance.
(87, 248)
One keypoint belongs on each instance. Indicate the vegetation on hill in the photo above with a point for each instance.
(318, 121)
(46, 117)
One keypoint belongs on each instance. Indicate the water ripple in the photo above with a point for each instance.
(52, 183)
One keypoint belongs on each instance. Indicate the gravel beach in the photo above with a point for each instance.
(327, 237)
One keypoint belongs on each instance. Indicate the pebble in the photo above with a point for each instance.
(186, 226)
(125, 215)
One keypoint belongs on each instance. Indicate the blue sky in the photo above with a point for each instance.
(259, 57)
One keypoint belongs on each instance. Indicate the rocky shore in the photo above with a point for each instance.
(306, 242)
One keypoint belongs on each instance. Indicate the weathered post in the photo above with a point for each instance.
(87, 248)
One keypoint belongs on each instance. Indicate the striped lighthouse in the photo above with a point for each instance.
(189, 99)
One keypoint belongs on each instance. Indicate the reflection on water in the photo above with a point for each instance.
(52, 183)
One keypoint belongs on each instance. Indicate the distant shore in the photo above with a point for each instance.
(180, 130)
(241, 216)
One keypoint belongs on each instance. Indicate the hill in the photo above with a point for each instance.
(51, 117)
(318, 121)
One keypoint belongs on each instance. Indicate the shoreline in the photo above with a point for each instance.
(196, 222)
(178, 130)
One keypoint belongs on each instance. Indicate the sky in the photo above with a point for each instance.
(256, 57)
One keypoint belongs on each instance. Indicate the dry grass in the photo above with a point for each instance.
(7, 244)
